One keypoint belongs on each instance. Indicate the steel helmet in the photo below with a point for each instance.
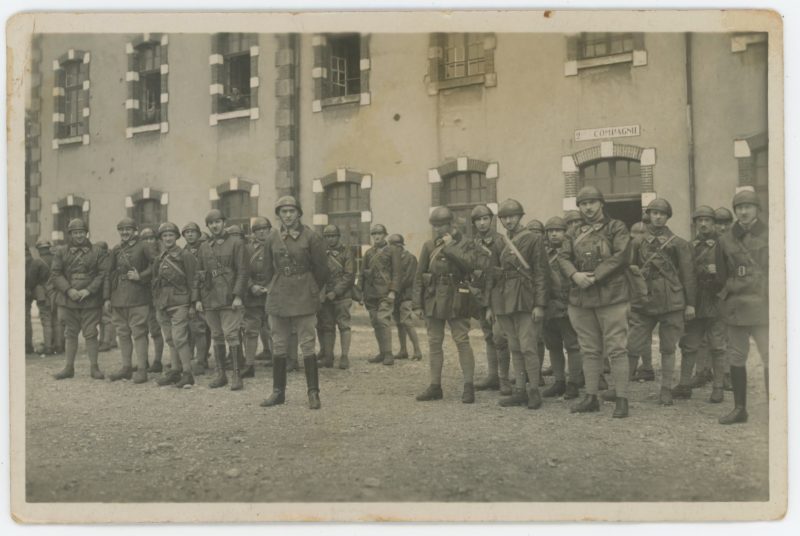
(571, 216)
(377, 228)
(440, 216)
(331, 230)
(510, 207)
(260, 223)
(589, 193)
(703, 211)
(723, 215)
(660, 204)
(396, 239)
(480, 211)
(288, 201)
(234, 230)
(746, 197)
(127, 222)
(77, 224)
(556, 222)
(191, 226)
(168, 227)
(535, 226)
(146, 233)
(214, 215)
(43, 244)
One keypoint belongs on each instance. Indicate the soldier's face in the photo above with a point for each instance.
(483, 224)
(571, 226)
(555, 236)
(658, 218)
(510, 222)
(704, 224)
(332, 240)
(169, 238)
(441, 229)
(78, 236)
(721, 227)
(377, 236)
(262, 233)
(216, 226)
(126, 233)
(288, 215)
(637, 231)
(746, 212)
(191, 236)
(590, 209)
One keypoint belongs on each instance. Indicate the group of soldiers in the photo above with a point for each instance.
(581, 284)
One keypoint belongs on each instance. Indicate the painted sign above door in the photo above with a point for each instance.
(607, 132)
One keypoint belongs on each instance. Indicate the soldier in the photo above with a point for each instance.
(108, 335)
(645, 373)
(403, 313)
(573, 221)
(336, 298)
(174, 292)
(665, 261)
(537, 228)
(197, 323)
(380, 279)
(558, 331)
(256, 295)
(78, 273)
(36, 275)
(518, 299)
(47, 310)
(128, 296)
(487, 246)
(441, 293)
(745, 305)
(708, 323)
(297, 265)
(148, 236)
(722, 220)
(595, 261)
(222, 282)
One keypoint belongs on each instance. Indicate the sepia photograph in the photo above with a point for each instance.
(482, 266)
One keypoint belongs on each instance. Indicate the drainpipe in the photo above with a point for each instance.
(690, 122)
(294, 43)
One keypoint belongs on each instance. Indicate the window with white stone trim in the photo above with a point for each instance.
(234, 76)
(71, 98)
(461, 184)
(238, 200)
(460, 59)
(597, 49)
(341, 70)
(66, 209)
(147, 80)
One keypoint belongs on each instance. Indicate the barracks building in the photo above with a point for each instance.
(381, 128)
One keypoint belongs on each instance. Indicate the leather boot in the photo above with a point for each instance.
(140, 376)
(682, 392)
(698, 380)
(67, 372)
(557, 389)
(739, 383)
(326, 343)
(621, 409)
(665, 396)
(249, 371)
(344, 339)
(645, 375)
(571, 391)
(534, 398)
(312, 382)
(236, 378)
(468, 396)
(589, 404)
(388, 359)
(278, 395)
(609, 396)
(186, 379)
(156, 367)
(505, 387)
(125, 373)
(170, 378)
(96, 373)
(401, 355)
(92, 350)
(519, 397)
(492, 383)
(433, 392)
(221, 378)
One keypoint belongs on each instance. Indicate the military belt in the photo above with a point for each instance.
(289, 271)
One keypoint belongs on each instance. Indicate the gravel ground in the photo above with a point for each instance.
(96, 441)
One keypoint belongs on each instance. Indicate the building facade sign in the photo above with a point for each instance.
(607, 132)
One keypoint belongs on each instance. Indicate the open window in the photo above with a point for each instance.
(235, 51)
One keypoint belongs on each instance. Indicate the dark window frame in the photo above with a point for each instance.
(72, 126)
(240, 217)
(474, 196)
(463, 51)
(606, 42)
(236, 72)
(148, 65)
(344, 68)
(611, 192)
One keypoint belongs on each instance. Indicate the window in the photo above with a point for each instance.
(760, 160)
(342, 206)
(613, 176)
(148, 65)
(71, 126)
(595, 45)
(460, 193)
(235, 50)
(344, 71)
(235, 204)
(65, 215)
(464, 55)
(147, 213)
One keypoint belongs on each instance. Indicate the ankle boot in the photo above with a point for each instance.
(557, 389)
(186, 379)
(519, 397)
(505, 387)
(621, 409)
(221, 379)
(95, 373)
(609, 396)
(170, 378)
(236, 378)
(571, 392)
(534, 398)
(249, 371)
(312, 382)
(67, 372)
(327, 342)
(155, 368)
(682, 392)
(491, 383)
(587, 405)
(468, 396)
(125, 373)
(739, 383)
(140, 376)
(433, 392)
(278, 395)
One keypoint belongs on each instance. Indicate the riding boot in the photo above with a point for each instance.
(327, 342)
(236, 378)
(312, 381)
(91, 351)
(219, 366)
(739, 384)
(278, 395)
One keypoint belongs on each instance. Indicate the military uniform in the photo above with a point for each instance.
(48, 313)
(296, 263)
(79, 267)
(665, 261)
(36, 275)
(221, 278)
(403, 314)
(558, 331)
(599, 312)
(255, 315)
(380, 275)
(745, 305)
(174, 295)
(336, 298)
(148, 236)
(441, 291)
(199, 334)
(130, 301)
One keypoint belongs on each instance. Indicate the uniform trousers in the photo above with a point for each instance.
(225, 323)
(497, 356)
(283, 327)
(699, 332)
(131, 326)
(523, 335)
(380, 315)
(459, 330)
(603, 331)
(254, 319)
(174, 322)
(559, 335)
(670, 327)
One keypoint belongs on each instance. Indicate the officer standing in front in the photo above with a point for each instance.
(128, 295)
(441, 293)
(222, 281)
(745, 306)
(403, 306)
(380, 279)
(595, 261)
(336, 299)
(78, 273)
(296, 263)
(255, 315)
(518, 300)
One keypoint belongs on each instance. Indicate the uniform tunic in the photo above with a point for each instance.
(174, 274)
(256, 268)
(222, 271)
(516, 288)
(136, 255)
(440, 272)
(341, 266)
(380, 272)
(79, 267)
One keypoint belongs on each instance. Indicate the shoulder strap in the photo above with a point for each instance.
(166, 257)
(335, 261)
(254, 255)
(746, 252)
(583, 235)
(510, 245)
(658, 251)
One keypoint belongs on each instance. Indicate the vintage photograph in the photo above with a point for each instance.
(374, 261)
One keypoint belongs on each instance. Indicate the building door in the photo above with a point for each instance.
(620, 180)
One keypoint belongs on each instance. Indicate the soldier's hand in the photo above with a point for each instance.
(73, 294)
(689, 313)
(489, 316)
(391, 296)
(198, 307)
(331, 296)
(83, 294)
(538, 314)
(133, 275)
(107, 306)
(582, 279)
(237, 303)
